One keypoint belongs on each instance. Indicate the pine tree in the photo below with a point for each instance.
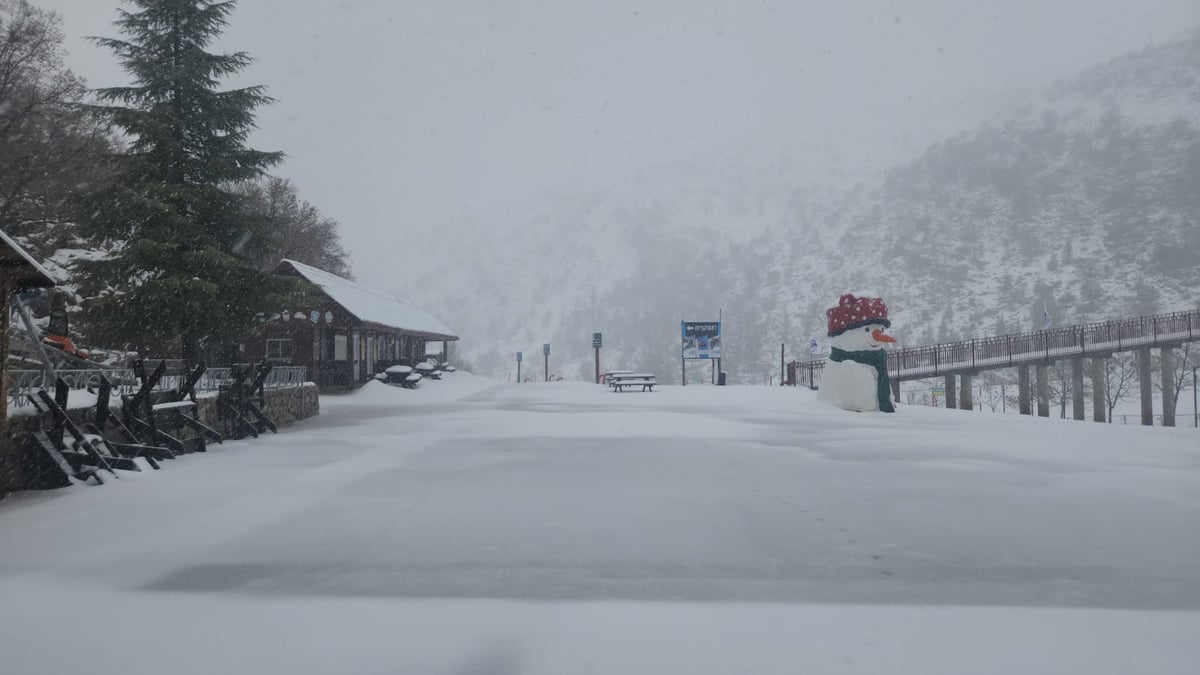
(179, 274)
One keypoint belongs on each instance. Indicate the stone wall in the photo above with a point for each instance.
(24, 466)
(284, 406)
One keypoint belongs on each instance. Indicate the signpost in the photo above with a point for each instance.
(597, 340)
(546, 356)
(701, 341)
(520, 357)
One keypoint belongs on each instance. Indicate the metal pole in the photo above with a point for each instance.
(597, 365)
(1195, 410)
(5, 313)
(51, 375)
(781, 366)
(546, 365)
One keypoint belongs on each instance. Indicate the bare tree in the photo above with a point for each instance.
(49, 146)
(1120, 374)
(300, 231)
(1060, 386)
(1183, 365)
(994, 390)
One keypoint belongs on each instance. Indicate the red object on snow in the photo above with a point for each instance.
(853, 312)
(64, 343)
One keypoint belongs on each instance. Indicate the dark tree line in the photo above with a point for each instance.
(156, 177)
(48, 144)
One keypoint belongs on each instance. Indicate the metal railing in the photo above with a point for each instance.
(1029, 348)
(24, 384)
(1185, 420)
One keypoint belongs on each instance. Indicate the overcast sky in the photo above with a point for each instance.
(397, 115)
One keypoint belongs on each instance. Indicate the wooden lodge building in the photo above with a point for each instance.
(349, 334)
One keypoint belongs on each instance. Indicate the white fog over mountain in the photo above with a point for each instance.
(1081, 200)
(271, 266)
(533, 174)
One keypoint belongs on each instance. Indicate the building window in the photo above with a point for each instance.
(279, 350)
(339, 347)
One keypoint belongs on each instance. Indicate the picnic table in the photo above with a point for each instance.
(403, 376)
(619, 381)
(430, 370)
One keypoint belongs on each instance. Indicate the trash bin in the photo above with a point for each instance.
(721, 379)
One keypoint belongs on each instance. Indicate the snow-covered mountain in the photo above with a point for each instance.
(1086, 201)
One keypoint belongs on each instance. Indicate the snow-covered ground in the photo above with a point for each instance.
(472, 527)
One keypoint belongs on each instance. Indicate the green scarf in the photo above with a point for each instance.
(876, 358)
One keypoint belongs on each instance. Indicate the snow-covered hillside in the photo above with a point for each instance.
(1083, 201)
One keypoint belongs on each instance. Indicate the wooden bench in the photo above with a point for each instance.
(397, 374)
(428, 370)
(118, 436)
(619, 382)
(610, 375)
(244, 401)
(403, 376)
(138, 411)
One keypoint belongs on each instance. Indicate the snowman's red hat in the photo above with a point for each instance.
(852, 312)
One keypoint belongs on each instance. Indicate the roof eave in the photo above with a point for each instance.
(425, 335)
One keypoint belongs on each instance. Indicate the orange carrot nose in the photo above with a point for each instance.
(880, 336)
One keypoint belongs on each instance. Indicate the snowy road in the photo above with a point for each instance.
(476, 528)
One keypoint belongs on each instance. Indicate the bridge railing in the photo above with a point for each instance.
(24, 384)
(1007, 350)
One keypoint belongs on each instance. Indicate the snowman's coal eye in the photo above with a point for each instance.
(867, 329)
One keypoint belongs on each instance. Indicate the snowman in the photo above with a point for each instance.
(855, 376)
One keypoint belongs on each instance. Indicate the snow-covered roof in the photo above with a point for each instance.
(27, 272)
(371, 306)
